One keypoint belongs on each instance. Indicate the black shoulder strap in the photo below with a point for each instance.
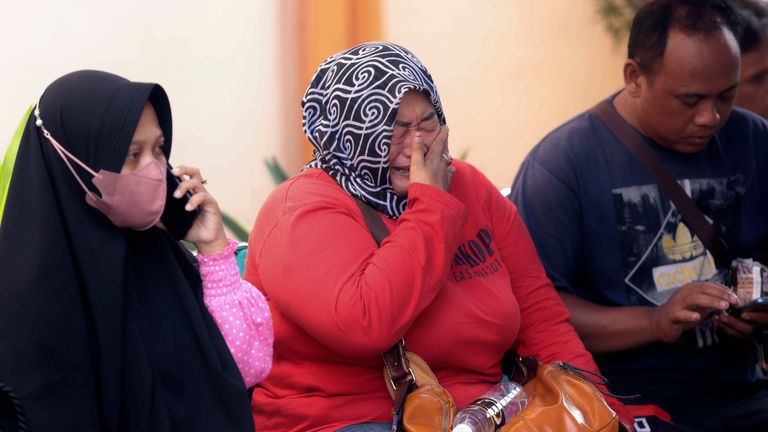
(378, 230)
(637, 145)
(395, 359)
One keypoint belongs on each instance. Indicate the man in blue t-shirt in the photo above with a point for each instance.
(632, 273)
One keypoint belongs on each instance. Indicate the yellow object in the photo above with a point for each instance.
(6, 169)
(683, 246)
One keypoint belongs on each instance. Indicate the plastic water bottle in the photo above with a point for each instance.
(492, 410)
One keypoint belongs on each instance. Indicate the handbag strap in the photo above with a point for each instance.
(401, 377)
(374, 223)
(519, 369)
(638, 146)
(523, 369)
(395, 359)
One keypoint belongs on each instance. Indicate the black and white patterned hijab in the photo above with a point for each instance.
(348, 113)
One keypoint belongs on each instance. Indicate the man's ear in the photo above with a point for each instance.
(633, 78)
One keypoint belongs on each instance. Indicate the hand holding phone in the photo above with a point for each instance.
(749, 278)
(175, 217)
(758, 305)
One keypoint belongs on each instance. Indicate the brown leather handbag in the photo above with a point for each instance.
(561, 397)
(420, 404)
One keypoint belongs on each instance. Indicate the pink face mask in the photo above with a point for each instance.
(134, 200)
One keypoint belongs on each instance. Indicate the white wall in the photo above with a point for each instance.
(218, 61)
(508, 71)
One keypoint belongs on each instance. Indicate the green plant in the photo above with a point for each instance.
(275, 170)
(464, 154)
(617, 16)
(9, 160)
(235, 227)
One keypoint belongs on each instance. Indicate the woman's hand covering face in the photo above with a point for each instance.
(428, 165)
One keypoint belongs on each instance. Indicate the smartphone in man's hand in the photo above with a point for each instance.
(758, 305)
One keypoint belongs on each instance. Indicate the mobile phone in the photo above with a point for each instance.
(757, 305)
(175, 217)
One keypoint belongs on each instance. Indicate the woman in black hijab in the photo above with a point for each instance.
(101, 327)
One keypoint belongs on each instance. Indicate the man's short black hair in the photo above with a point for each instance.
(651, 26)
(754, 17)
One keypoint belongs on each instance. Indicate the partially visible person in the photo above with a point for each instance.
(633, 275)
(103, 318)
(458, 277)
(753, 41)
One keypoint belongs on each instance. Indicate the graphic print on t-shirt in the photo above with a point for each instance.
(475, 258)
(659, 252)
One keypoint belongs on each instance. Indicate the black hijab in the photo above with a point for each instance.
(103, 328)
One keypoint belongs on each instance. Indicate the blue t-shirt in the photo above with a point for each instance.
(606, 233)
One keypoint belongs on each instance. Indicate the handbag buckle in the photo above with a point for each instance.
(413, 379)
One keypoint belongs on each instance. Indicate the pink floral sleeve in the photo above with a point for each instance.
(240, 311)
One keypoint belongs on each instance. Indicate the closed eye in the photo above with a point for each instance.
(399, 132)
(429, 125)
(727, 97)
(689, 101)
(757, 79)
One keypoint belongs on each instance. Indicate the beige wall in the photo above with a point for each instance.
(508, 71)
(219, 64)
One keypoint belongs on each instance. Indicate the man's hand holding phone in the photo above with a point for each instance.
(748, 281)
(740, 321)
(754, 312)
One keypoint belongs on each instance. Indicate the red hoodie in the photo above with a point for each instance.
(458, 278)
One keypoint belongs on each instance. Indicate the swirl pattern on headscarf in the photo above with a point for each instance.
(348, 113)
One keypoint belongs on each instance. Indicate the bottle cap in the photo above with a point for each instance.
(463, 427)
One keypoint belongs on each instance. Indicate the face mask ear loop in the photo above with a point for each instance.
(63, 153)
